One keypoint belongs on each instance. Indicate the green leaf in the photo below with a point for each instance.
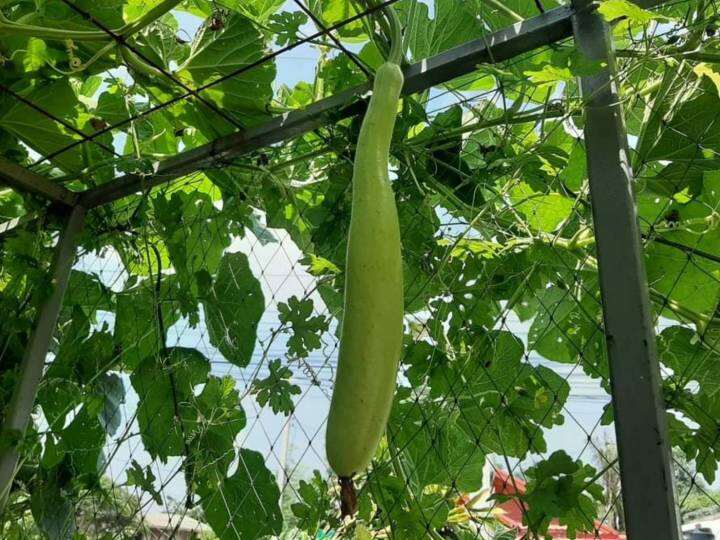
(111, 392)
(286, 26)
(427, 365)
(90, 86)
(82, 442)
(134, 9)
(39, 132)
(315, 507)
(36, 55)
(691, 358)
(234, 304)
(452, 25)
(692, 393)
(136, 325)
(306, 329)
(87, 291)
(689, 134)
(144, 479)
(319, 266)
(225, 52)
(544, 212)
(503, 400)
(276, 389)
(550, 74)
(693, 285)
(259, 10)
(332, 12)
(244, 506)
(112, 106)
(438, 451)
(195, 233)
(53, 512)
(218, 420)
(575, 172)
(164, 384)
(704, 70)
(548, 331)
(558, 488)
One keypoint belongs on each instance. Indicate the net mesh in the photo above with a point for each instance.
(189, 380)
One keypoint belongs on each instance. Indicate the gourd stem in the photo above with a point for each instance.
(348, 497)
(396, 37)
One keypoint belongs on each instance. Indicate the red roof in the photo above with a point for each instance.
(512, 517)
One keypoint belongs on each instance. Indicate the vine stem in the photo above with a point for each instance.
(273, 336)
(396, 37)
(162, 330)
(13, 28)
(500, 6)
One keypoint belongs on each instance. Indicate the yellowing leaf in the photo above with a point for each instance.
(704, 70)
(467, 246)
(550, 74)
(616, 9)
(362, 532)
(544, 212)
(319, 266)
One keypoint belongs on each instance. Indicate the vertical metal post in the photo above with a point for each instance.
(33, 362)
(640, 424)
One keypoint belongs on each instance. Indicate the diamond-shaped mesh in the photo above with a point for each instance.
(188, 384)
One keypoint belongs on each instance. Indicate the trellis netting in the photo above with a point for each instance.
(188, 380)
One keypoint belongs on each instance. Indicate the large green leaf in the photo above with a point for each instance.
(229, 53)
(88, 292)
(245, 505)
(504, 401)
(165, 386)
(37, 130)
(453, 23)
(234, 304)
(692, 133)
(691, 283)
(53, 512)
(548, 332)
(438, 451)
(218, 420)
(544, 212)
(137, 331)
(82, 442)
(332, 12)
(563, 489)
(195, 233)
(112, 105)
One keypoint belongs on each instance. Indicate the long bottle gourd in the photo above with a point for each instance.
(372, 327)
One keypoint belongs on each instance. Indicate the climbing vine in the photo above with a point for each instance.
(499, 257)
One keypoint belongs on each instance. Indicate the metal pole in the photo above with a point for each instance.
(31, 369)
(24, 179)
(640, 424)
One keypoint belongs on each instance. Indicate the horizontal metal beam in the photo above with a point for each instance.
(20, 178)
(504, 44)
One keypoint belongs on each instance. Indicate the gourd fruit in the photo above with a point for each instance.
(372, 327)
